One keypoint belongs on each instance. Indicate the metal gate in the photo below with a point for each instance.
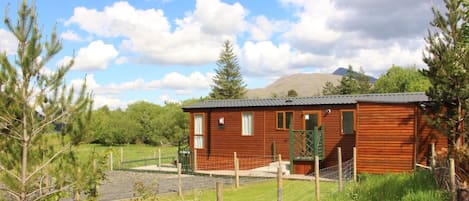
(185, 158)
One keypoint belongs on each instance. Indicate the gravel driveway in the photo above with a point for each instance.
(124, 184)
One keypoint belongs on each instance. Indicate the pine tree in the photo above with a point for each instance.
(364, 83)
(349, 83)
(35, 163)
(330, 89)
(447, 57)
(228, 82)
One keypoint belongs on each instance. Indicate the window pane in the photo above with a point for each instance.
(347, 122)
(280, 120)
(289, 119)
(198, 125)
(199, 141)
(247, 123)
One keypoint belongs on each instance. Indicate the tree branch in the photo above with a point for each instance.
(51, 192)
(40, 128)
(10, 173)
(45, 164)
(11, 192)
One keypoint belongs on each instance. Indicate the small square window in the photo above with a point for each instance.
(284, 120)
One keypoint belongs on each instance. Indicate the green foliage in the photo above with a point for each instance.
(398, 79)
(141, 122)
(329, 89)
(292, 93)
(447, 57)
(351, 83)
(36, 164)
(228, 82)
(419, 185)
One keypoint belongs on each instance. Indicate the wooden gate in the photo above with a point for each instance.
(306, 144)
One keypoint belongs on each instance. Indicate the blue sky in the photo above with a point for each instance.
(165, 50)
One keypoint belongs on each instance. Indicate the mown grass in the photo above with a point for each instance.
(415, 186)
(259, 191)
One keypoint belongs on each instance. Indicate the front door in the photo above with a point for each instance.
(311, 119)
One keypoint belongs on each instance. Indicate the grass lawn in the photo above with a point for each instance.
(262, 191)
(415, 186)
(130, 152)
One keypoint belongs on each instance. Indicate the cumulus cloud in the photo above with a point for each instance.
(311, 32)
(183, 84)
(70, 35)
(194, 40)
(265, 58)
(8, 42)
(96, 56)
(263, 28)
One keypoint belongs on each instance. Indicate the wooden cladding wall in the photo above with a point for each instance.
(385, 139)
(228, 139)
(426, 136)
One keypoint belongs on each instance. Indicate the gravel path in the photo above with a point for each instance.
(124, 184)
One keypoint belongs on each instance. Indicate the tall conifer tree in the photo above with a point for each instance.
(228, 82)
(448, 69)
(34, 163)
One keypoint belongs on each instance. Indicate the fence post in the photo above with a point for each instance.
(274, 151)
(179, 180)
(339, 156)
(219, 191)
(195, 160)
(432, 156)
(236, 173)
(452, 178)
(354, 164)
(279, 178)
(110, 161)
(159, 157)
(316, 174)
(122, 157)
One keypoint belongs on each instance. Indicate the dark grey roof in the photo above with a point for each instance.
(315, 100)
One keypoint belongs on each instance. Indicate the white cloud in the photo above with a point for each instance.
(165, 98)
(8, 42)
(96, 56)
(267, 59)
(196, 39)
(311, 32)
(183, 84)
(220, 18)
(262, 28)
(70, 35)
(110, 101)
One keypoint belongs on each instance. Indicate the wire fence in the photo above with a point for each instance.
(257, 176)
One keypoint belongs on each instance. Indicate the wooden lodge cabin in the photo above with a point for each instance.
(390, 131)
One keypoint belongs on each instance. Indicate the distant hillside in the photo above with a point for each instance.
(305, 84)
(343, 71)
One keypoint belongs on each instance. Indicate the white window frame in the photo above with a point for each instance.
(246, 124)
(199, 131)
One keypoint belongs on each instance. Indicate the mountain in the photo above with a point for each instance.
(343, 71)
(305, 84)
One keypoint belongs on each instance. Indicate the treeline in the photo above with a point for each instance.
(396, 79)
(141, 122)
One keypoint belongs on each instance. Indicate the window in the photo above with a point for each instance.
(198, 131)
(247, 124)
(348, 122)
(284, 120)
